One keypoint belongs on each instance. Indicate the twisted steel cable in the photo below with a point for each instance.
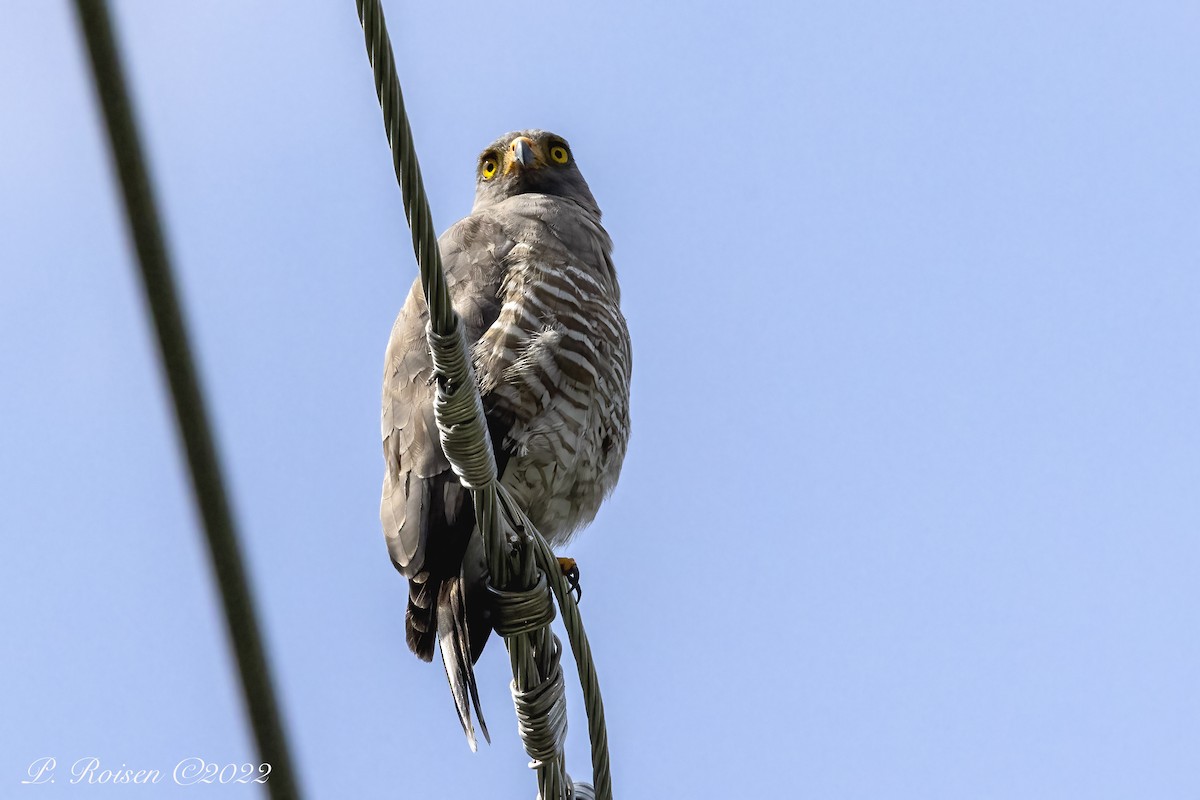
(208, 485)
(519, 560)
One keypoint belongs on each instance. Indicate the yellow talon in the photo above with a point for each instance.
(570, 571)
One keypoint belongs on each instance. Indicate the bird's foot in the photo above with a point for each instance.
(570, 571)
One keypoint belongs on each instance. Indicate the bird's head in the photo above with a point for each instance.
(525, 162)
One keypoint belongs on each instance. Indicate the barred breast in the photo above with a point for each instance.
(555, 367)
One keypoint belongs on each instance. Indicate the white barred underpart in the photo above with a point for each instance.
(565, 355)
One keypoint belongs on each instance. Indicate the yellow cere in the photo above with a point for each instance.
(559, 154)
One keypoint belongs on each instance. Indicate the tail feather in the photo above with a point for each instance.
(454, 636)
(448, 602)
(421, 616)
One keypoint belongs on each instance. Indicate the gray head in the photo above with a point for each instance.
(533, 161)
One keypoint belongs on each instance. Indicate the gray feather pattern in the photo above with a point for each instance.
(531, 277)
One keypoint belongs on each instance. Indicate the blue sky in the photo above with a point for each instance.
(911, 508)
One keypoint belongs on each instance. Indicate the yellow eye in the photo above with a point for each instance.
(487, 168)
(559, 153)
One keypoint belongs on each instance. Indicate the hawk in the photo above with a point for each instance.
(530, 274)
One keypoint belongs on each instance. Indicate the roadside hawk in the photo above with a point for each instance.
(531, 276)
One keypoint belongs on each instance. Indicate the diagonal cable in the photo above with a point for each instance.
(520, 563)
(191, 417)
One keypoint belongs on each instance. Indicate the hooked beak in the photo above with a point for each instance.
(523, 154)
